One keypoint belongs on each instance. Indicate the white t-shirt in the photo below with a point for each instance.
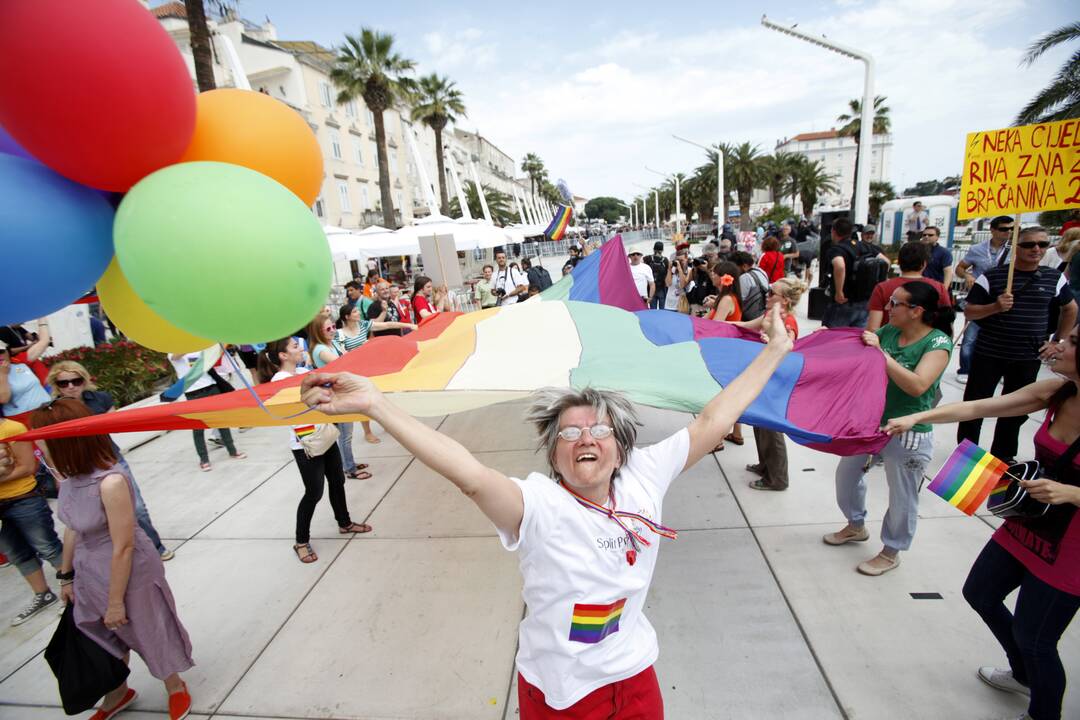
(643, 275)
(297, 431)
(508, 280)
(585, 627)
(182, 365)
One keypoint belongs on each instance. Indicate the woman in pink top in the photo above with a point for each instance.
(1041, 557)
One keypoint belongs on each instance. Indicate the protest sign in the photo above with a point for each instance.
(1021, 169)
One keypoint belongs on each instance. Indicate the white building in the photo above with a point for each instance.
(838, 154)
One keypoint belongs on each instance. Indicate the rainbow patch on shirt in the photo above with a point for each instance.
(303, 431)
(593, 623)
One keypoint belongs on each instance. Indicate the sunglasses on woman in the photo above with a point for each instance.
(893, 302)
(74, 382)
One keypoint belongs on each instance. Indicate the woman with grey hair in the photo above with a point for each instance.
(586, 536)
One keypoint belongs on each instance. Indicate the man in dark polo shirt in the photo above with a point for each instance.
(940, 266)
(1013, 328)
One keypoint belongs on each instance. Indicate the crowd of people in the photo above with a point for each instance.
(580, 648)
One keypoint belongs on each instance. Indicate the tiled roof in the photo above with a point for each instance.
(307, 47)
(170, 10)
(824, 135)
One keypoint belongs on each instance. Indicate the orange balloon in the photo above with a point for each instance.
(256, 131)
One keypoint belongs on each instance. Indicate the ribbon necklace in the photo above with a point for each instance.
(617, 515)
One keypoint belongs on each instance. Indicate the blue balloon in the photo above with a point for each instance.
(55, 239)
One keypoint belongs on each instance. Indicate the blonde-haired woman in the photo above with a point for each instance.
(69, 379)
(772, 463)
(1069, 250)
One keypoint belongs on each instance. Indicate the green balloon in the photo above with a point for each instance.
(223, 252)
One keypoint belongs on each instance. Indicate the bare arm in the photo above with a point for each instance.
(497, 496)
(1066, 320)
(948, 276)
(23, 462)
(120, 515)
(962, 272)
(40, 345)
(1004, 303)
(378, 325)
(1020, 402)
(723, 411)
(839, 275)
(5, 385)
(873, 322)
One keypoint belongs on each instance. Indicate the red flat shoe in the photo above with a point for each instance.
(179, 704)
(129, 697)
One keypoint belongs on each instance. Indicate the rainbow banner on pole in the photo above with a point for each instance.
(968, 477)
(559, 223)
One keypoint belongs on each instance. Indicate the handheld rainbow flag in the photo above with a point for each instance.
(968, 477)
(559, 223)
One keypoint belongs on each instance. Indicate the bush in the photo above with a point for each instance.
(126, 370)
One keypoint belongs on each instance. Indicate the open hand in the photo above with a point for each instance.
(339, 393)
(1050, 351)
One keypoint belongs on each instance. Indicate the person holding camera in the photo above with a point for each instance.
(677, 280)
(511, 285)
(1039, 556)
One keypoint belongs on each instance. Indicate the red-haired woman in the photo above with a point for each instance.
(110, 568)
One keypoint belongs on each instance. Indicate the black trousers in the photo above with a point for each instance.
(983, 378)
(312, 472)
(1029, 636)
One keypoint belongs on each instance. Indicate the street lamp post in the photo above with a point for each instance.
(721, 218)
(645, 207)
(866, 138)
(678, 197)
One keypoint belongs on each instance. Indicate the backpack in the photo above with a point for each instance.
(659, 267)
(540, 277)
(753, 303)
(869, 270)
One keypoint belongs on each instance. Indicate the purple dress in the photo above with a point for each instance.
(153, 630)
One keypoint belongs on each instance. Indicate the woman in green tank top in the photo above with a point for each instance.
(916, 343)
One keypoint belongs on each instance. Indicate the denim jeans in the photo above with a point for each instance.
(27, 534)
(344, 443)
(967, 347)
(142, 515)
(906, 457)
(656, 302)
(850, 314)
(1029, 636)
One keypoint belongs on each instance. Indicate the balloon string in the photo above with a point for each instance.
(250, 389)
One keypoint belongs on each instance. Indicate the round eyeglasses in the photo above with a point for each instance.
(596, 432)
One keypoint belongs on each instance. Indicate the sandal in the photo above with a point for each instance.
(205, 466)
(358, 528)
(730, 437)
(359, 474)
(309, 555)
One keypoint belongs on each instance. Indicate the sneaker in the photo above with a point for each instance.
(847, 535)
(129, 697)
(1003, 680)
(39, 603)
(179, 704)
(167, 555)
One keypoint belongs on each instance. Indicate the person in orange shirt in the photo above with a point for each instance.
(27, 534)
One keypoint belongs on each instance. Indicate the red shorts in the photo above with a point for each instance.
(635, 698)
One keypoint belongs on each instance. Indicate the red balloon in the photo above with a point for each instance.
(98, 91)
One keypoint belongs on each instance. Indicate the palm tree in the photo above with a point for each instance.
(533, 166)
(853, 126)
(201, 51)
(367, 66)
(880, 193)
(744, 175)
(777, 171)
(500, 205)
(706, 176)
(438, 103)
(814, 181)
(1060, 100)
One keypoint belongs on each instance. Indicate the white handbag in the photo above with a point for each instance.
(318, 442)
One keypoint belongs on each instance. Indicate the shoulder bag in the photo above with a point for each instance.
(318, 442)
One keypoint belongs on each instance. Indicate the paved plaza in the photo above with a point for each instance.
(756, 617)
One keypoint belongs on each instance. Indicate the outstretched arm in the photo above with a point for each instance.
(497, 496)
(1020, 402)
(717, 418)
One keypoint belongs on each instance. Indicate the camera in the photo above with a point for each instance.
(499, 292)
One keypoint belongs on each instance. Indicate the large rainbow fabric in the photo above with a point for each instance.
(593, 623)
(968, 477)
(589, 329)
(559, 222)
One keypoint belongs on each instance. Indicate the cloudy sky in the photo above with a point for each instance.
(597, 88)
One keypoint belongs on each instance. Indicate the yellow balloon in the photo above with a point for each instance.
(136, 320)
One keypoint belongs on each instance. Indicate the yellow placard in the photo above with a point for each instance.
(1031, 168)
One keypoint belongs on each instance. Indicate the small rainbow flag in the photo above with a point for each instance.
(559, 223)
(593, 623)
(968, 477)
(303, 431)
